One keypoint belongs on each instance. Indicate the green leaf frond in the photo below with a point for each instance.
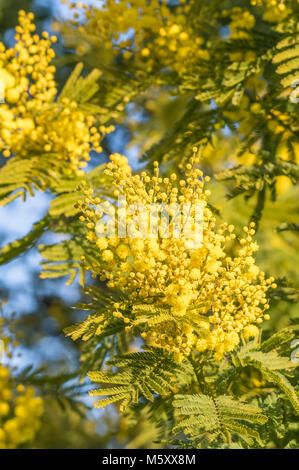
(140, 374)
(202, 415)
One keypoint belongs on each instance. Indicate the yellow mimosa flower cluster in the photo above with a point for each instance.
(32, 121)
(274, 10)
(206, 297)
(150, 31)
(20, 412)
(241, 22)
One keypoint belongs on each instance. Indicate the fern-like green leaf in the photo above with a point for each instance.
(200, 414)
(143, 373)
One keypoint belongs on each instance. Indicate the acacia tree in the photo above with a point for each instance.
(206, 91)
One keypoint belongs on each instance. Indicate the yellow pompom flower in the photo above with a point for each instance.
(161, 37)
(33, 120)
(204, 298)
(20, 412)
(250, 331)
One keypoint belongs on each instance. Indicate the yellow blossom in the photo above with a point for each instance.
(33, 120)
(20, 412)
(206, 298)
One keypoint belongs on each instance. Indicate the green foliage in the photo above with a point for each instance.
(17, 247)
(204, 416)
(141, 373)
(286, 56)
(62, 388)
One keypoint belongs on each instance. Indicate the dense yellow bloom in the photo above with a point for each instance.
(204, 297)
(20, 412)
(150, 31)
(241, 22)
(32, 120)
(250, 331)
(274, 10)
(158, 34)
